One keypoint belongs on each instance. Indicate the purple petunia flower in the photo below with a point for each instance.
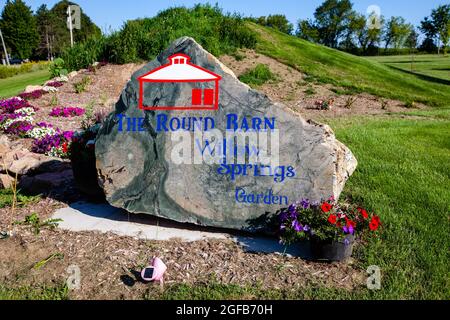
(306, 228)
(348, 229)
(13, 104)
(297, 226)
(67, 112)
(305, 203)
(283, 216)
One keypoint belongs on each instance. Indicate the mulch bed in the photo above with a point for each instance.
(110, 263)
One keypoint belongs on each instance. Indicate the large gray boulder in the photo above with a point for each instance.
(137, 171)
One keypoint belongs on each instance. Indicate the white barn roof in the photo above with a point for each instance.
(180, 69)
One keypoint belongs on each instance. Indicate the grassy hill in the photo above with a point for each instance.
(357, 74)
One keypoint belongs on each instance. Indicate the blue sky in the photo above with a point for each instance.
(107, 13)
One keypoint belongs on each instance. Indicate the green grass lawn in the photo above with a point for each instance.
(435, 67)
(404, 176)
(34, 293)
(12, 86)
(358, 74)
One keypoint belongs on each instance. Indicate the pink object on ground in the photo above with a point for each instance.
(158, 272)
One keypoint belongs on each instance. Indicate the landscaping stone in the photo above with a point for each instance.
(15, 158)
(45, 182)
(72, 74)
(137, 173)
(5, 144)
(6, 181)
(32, 88)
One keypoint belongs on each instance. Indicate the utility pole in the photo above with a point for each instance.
(4, 48)
(69, 12)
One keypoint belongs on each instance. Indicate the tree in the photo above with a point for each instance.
(441, 21)
(19, 28)
(437, 26)
(396, 32)
(307, 30)
(46, 28)
(61, 32)
(429, 30)
(332, 20)
(276, 21)
(411, 42)
(368, 35)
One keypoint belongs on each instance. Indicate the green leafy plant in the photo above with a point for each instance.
(324, 104)
(57, 68)
(384, 104)
(238, 56)
(82, 85)
(410, 104)
(43, 262)
(54, 100)
(258, 76)
(310, 91)
(349, 102)
(35, 223)
(9, 197)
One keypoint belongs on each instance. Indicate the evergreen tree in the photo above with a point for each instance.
(46, 28)
(19, 28)
(62, 33)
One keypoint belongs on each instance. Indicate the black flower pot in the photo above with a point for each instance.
(331, 250)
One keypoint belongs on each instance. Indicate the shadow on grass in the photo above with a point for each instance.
(422, 76)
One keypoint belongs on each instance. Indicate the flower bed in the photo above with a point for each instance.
(55, 84)
(56, 145)
(16, 118)
(36, 94)
(13, 104)
(67, 112)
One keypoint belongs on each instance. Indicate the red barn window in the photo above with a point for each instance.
(208, 99)
(196, 97)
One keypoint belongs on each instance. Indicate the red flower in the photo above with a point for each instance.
(351, 223)
(326, 207)
(332, 219)
(374, 223)
(65, 147)
(377, 219)
(363, 212)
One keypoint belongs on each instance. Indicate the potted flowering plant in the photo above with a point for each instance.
(330, 228)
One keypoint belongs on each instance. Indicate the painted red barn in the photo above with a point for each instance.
(205, 84)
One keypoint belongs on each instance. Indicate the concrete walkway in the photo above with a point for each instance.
(84, 216)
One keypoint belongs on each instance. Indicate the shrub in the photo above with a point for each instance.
(143, 39)
(84, 54)
(257, 76)
(57, 68)
(82, 85)
(10, 71)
